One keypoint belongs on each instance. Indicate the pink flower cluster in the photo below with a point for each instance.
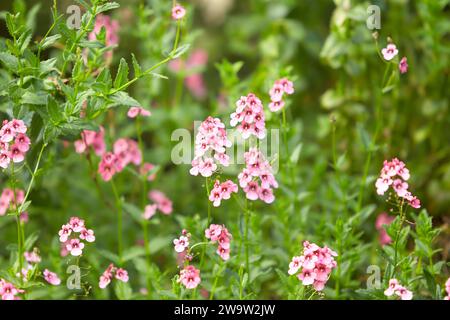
(110, 273)
(222, 191)
(93, 139)
(395, 174)
(382, 220)
(447, 289)
(78, 231)
(257, 167)
(192, 67)
(145, 169)
(14, 143)
(189, 277)
(218, 233)
(161, 203)
(277, 91)
(178, 12)
(51, 277)
(8, 201)
(316, 264)
(397, 289)
(210, 144)
(8, 291)
(249, 115)
(125, 151)
(133, 112)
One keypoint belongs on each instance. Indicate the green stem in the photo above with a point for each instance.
(119, 219)
(397, 238)
(247, 216)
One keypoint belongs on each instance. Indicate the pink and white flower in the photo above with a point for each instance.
(51, 278)
(389, 52)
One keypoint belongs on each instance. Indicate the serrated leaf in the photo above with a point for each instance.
(54, 111)
(136, 67)
(11, 62)
(107, 6)
(122, 98)
(180, 51)
(122, 74)
(49, 41)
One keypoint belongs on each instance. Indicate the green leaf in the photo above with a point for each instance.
(122, 74)
(10, 24)
(136, 67)
(123, 290)
(107, 6)
(296, 153)
(31, 240)
(49, 41)
(51, 132)
(34, 98)
(10, 61)
(180, 51)
(122, 98)
(54, 111)
(133, 252)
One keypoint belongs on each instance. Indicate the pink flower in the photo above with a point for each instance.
(87, 234)
(266, 195)
(75, 247)
(51, 278)
(447, 289)
(403, 65)
(111, 27)
(16, 154)
(122, 275)
(307, 277)
(219, 233)
(181, 244)
(33, 256)
(389, 52)
(23, 142)
(150, 211)
(280, 87)
(274, 106)
(133, 112)
(65, 232)
(222, 191)
(93, 139)
(76, 224)
(252, 190)
(106, 277)
(107, 166)
(178, 12)
(210, 145)
(400, 187)
(382, 220)
(249, 115)
(4, 160)
(164, 204)
(316, 264)
(8, 291)
(146, 168)
(394, 173)
(190, 277)
(295, 264)
(397, 289)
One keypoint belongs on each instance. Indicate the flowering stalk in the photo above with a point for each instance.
(119, 219)
(144, 199)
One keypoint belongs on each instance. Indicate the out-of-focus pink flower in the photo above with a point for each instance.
(111, 27)
(33, 256)
(9, 200)
(160, 199)
(178, 12)
(133, 112)
(382, 220)
(389, 52)
(192, 67)
(107, 276)
(94, 139)
(149, 211)
(403, 65)
(51, 278)
(146, 168)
